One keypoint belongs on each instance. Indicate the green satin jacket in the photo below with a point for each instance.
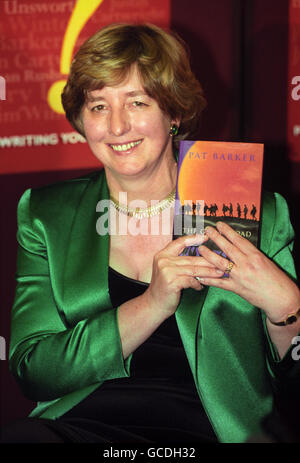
(65, 340)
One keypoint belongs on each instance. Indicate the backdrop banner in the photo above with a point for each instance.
(293, 116)
(38, 39)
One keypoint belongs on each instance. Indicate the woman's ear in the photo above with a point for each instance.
(176, 122)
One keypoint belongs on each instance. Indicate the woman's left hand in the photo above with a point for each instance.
(253, 276)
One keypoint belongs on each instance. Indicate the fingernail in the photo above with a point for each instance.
(220, 272)
(195, 240)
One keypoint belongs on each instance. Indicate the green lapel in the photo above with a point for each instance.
(87, 257)
(187, 316)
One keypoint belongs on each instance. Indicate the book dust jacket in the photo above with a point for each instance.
(218, 181)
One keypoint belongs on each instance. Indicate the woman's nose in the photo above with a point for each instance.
(119, 122)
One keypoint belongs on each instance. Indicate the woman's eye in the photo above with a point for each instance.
(138, 103)
(98, 108)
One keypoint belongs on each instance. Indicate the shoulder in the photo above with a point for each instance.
(275, 221)
(274, 208)
(66, 188)
(59, 196)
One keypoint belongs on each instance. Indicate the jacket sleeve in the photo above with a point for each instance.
(285, 372)
(48, 358)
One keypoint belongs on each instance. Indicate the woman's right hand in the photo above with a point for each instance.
(138, 318)
(171, 273)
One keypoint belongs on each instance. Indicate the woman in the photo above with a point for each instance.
(115, 335)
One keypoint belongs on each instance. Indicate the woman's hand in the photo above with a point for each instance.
(171, 273)
(139, 317)
(253, 276)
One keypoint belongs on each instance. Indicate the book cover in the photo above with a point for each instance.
(218, 181)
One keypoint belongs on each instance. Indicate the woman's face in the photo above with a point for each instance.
(126, 129)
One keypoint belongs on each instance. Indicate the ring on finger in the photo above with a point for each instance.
(229, 267)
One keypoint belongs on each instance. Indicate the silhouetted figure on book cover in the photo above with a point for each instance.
(225, 209)
(253, 212)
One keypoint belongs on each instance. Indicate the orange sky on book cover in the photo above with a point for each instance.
(232, 181)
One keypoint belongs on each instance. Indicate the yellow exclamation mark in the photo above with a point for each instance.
(83, 10)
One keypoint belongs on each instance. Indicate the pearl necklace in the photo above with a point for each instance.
(139, 213)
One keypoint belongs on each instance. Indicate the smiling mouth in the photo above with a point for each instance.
(125, 146)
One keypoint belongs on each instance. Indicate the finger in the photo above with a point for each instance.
(192, 282)
(235, 238)
(222, 283)
(175, 247)
(229, 249)
(171, 272)
(199, 271)
(214, 258)
(191, 260)
(189, 282)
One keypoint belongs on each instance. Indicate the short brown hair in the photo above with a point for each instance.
(163, 64)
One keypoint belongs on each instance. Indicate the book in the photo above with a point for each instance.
(218, 181)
